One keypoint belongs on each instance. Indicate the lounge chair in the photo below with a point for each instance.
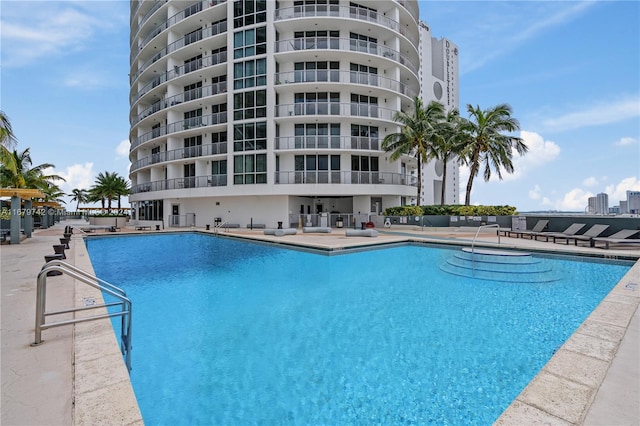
(571, 230)
(589, 235)
(620, 237)
(538, 227)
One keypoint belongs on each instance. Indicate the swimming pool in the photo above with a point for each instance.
(231, 332)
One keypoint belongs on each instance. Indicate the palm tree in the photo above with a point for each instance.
(23, 175)
(7, 141)
(109, 186)
(448, 144)
(485, 145)
(417, 136)
(79, 195)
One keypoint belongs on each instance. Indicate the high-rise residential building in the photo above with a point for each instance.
(602, 203)
(256, 110)
(591, 205)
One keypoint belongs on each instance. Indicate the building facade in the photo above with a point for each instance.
(256, 111)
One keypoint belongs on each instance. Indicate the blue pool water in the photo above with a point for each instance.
(228, 332)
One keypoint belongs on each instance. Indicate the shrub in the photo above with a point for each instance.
(451, 210)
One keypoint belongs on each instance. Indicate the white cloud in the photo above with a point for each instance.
(31, 33)
(574, 200)
(535, 193)
(627, 141)
(77, 176)
(597, 114)
(122, 150)
(590, 181)
(540, 153)
(618, 191)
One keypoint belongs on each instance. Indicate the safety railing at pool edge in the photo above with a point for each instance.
(93, 281)
(217, 227)
(493, 225)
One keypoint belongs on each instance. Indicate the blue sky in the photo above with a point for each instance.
(569, 69)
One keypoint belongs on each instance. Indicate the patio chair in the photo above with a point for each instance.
(571, 230)
(620, 237)
(589, 235)
(538, 227)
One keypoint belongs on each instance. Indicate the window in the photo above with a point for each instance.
(364, 137)
(365, 106)
(249, 105)
(250, 42)
(218, 173)
(192, 147)
(250, 136)
(249, 169)
(249, 12)
(155, 130)
(193, 36)
(317, 103)
(363, 43)
(317, 168)
(218, 143)
(193, 91)
(250, 73)
(189, 180)
(363, 74)
(193, 118)
(305, 40)
(362, 12)
(193, 64)
(317, 71)
(364, 169)
(317, 135)
(194, 8)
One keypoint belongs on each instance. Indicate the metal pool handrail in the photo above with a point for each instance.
(93, 281)
(493, 225)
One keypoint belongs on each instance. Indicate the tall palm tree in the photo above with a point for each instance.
(24, 175)
(79, 195)
(417, 136)
(448, 144)
(7, 141)
(485, 144)
(109, 186)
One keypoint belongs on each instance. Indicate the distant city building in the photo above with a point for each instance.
(602, 203)
(615, 210)
(624, 207)
(633, 202)
(591, 205)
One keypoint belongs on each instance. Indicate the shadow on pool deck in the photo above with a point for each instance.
(77, 376)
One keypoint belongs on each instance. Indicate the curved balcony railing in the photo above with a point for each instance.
(180, 183)
(207, 61)
(212, 31)
(344, 44)
(327, 142)
(413, 10)
(337, 76)
(285, 178)
(135, 26)
(190, 95)
(204, 4)
(189, 123)
(351, 12)
(344, 178)
(335, 108)
(179, 154)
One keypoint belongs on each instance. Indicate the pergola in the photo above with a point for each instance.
(17, 195)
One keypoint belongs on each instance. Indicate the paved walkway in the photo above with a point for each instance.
(77, 376)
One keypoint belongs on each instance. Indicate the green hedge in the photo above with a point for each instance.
(451, 210)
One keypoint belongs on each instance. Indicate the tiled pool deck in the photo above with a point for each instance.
(77, 376)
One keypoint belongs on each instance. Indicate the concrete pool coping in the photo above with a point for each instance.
(78, 377)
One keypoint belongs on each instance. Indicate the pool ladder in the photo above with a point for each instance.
(95, 282)
(217, 227)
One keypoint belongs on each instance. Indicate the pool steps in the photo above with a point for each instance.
(499, 265)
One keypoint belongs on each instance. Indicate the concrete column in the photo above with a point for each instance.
(44, 220)
(28, 217)
(15, 220)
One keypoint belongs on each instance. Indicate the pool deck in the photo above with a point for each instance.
(77, 376)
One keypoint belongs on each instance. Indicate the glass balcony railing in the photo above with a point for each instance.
(179, 154)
